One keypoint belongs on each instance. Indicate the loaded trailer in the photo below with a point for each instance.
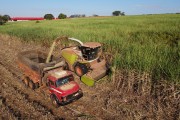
(38, 71)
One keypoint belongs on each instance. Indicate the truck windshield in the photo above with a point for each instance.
(64, 80)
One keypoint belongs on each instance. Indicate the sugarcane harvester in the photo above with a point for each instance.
(82, 58)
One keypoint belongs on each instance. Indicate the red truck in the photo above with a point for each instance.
(62, 87)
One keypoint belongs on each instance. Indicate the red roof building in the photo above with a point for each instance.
(26, 18)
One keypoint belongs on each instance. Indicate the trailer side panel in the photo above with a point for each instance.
(33, 75)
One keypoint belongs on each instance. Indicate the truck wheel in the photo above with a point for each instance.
(54, 101)
(26, 81)
(31, 84)
(80, 69)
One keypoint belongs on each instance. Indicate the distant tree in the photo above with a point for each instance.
(1, 20)
(48, 16)
(83, 15)
(117, 13)
(77, 16)
(95, 15)
(71, 16)
(62, 16)
(122, 13)
(6, 18)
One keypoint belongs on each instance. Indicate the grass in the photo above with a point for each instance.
(148, 43)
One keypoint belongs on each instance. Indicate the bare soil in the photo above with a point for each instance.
(124, 95)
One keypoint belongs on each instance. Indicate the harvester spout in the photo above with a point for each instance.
(74, 39)
(50, 51)
(59, 39)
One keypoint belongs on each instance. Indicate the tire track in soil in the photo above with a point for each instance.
(16, 114)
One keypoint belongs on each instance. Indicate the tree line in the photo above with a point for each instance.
(50, 16)
(63, 16)
(5, 18)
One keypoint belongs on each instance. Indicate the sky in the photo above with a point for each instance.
(38, 8)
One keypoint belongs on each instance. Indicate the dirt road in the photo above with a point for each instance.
(106, 100)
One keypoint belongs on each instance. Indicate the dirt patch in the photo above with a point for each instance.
(125, 95)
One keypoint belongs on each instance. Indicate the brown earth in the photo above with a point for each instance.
(125, 95)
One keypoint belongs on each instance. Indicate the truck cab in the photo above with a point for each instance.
(62, 87)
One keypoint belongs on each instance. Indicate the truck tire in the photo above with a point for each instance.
(31, 84)
(80, 69)
(54, 101)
